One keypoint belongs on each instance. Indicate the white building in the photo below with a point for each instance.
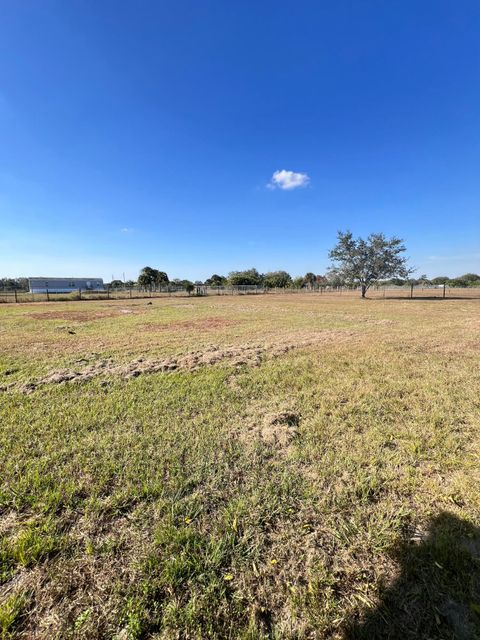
(64, 285)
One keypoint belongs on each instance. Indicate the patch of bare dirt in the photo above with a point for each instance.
(236, 356)
(194, 325)
(7, 521)
(78, 316)
(270, 423)
(367, 319)
(182, 306)
(278, 429)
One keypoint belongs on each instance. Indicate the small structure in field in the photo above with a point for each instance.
(64, 285)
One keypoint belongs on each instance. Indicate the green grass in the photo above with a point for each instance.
(10, 614)
(182, 505)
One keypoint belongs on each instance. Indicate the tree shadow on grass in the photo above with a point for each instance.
(437, 594)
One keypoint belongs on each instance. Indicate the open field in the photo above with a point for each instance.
(279, 466)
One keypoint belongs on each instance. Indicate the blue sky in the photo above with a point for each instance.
(136, 133)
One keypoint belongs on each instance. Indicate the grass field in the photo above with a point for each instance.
(249, 467)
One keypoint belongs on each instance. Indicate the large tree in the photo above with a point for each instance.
(150, 278)
(146, 278)
(364, 262)
(250, 276)
(274, 279)
(160, 277)
(471, 278)
(116, 284)
(216, 281)
(310, 279)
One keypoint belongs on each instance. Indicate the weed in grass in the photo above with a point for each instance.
(11, 612)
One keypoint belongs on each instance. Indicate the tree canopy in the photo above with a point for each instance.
(364, 262)
(470, 278)
(150, 278)
(12, 284)
(309, 279)
(116, 284)
(216, 281)
(274, 279)
(250, 276)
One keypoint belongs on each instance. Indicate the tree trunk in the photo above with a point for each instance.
(364, 290)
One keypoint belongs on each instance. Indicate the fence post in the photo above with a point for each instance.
(79, 294)
(15, 291)
(48, 297)
(108, 292)
(444, 286)
(411, 290)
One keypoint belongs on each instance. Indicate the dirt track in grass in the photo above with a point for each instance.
(248, 355)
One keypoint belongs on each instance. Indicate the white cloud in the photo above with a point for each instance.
(288, 180)
(126, 230)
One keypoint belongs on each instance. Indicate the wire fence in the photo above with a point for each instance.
(124, 293)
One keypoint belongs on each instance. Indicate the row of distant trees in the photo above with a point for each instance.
(359, 262)
(331, 278)
(151, 278)
(467, 280)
